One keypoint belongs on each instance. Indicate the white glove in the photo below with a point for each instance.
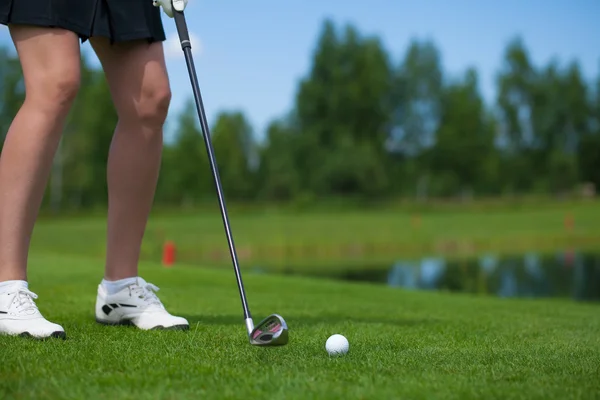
(179, 5)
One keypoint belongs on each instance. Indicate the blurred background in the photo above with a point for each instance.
(431, 145)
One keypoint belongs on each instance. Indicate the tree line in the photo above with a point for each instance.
(362, 126)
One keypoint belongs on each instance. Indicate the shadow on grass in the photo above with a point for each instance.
(304, 320)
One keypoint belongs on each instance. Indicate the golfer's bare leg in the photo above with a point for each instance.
(50, 61)
(139, 85)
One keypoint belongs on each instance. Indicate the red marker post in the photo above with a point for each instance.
(569, 223)
(169, 254)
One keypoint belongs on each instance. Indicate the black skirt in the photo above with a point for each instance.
(118, 20)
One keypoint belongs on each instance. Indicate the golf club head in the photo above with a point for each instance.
(271, 331)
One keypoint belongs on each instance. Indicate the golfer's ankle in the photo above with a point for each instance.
(7, 275)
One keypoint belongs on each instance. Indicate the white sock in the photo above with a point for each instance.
(113, 287)
(7, 284)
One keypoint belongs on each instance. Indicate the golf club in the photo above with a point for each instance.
(273, 330)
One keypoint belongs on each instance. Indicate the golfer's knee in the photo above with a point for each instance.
(153, 105)
(54, 90)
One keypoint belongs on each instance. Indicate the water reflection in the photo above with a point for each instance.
(567, 274)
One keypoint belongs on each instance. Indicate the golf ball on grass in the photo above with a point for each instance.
(337, 345)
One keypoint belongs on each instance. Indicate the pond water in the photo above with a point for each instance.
(566, 274)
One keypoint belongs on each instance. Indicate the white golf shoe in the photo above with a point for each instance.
(19, 315)
(136, 304)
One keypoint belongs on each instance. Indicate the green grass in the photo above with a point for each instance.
(409, 345)
(301, 240)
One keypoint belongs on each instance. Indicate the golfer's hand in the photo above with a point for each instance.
(178, 5)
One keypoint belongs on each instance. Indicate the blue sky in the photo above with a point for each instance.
(250, 55)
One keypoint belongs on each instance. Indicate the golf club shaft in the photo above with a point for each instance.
(186, 46)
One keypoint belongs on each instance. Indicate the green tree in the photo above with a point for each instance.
(344, 104)
(353, 170)
(237, 155)
(278, 175)
(417, 97)
(515, 96)
(462, 157)
(417, 91)
(588, 150)
(185, 172)
(516, 84)
(560, 118)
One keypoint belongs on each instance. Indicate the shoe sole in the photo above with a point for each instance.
(53, 335)
(156, 328)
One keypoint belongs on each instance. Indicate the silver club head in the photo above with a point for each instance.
(271, 331)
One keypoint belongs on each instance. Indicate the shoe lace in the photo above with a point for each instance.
(23, 300)
(146, 291)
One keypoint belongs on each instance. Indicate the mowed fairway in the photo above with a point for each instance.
(274, 239)
(402, 344)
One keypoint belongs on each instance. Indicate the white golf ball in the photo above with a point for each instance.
(337, 345)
